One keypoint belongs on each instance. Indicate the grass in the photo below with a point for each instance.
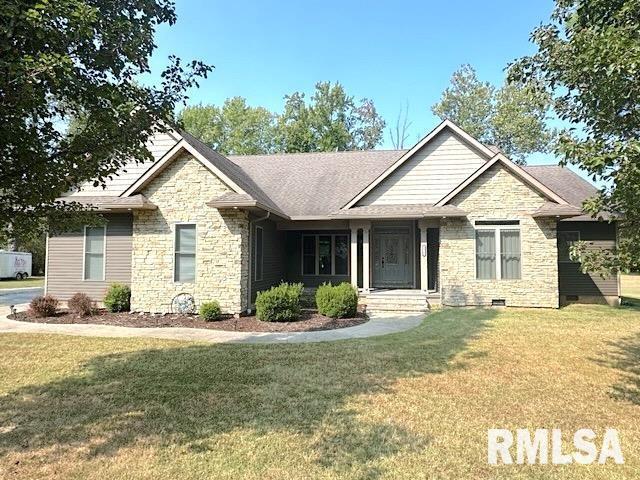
(630, 285)
(411, 405)
(29, 282)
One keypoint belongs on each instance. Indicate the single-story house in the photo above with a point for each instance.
(450, 221)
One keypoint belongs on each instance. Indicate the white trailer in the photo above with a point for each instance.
(15, 265)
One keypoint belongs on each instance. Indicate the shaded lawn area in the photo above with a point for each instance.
(29, 282)
(410, 405)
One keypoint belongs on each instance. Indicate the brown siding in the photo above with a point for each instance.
(64, 260)
(571, 280)
(273, 271)
(293, 260)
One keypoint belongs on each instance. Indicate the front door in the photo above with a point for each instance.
(392, 258)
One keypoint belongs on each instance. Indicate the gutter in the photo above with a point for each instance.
(251, 225)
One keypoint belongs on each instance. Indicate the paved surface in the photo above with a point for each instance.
(16, 296)
(378, 325)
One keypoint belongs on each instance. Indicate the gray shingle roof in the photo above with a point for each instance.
(315, 184)
(400, 211)
(564, 182)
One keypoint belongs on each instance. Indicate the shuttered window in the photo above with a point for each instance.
(185, 253)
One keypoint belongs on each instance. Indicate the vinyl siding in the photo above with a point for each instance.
(273, 269)
(64, 261)
(127, 175)
(293, 260)
(429, 175)
(598, 235)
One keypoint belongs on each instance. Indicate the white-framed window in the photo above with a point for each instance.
(565, 241)
(498, 250)
(258, 254)
(94, 257)
(325, 254)
(184, 268)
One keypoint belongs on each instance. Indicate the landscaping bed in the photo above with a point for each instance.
(310, 321)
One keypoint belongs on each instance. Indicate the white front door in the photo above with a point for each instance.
(392, 259)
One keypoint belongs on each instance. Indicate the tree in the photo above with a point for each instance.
(234, 129)
(331, 121)
(400, 135)
(77, 59)
(512, 117)
(588, 59)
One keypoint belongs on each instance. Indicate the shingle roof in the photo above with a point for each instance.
(400, 211)
(315, 184)
(109, 202)
(564, 182)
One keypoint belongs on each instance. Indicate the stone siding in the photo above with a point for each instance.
(180, 192)
(499, 195)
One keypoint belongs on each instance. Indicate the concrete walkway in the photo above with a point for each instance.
(377, 325)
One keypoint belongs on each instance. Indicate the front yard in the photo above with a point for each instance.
(28, 283)
(411, 405)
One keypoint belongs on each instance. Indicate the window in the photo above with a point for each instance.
(185, 253)
(498, 254)
(325, 254)
(258, 254)
(565, 241)
(94, 250)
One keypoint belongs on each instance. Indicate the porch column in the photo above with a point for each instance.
(424, 267)
(354, 256)
(366, 262)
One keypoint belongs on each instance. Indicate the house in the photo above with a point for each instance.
(449, 221)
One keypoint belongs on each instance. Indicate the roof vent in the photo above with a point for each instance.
(498, 302)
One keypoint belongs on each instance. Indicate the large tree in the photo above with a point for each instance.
(588, 58)
(332, 120)
(513, 117)
(70, 59)
(234, 129)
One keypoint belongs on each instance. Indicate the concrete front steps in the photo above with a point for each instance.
(403, 301)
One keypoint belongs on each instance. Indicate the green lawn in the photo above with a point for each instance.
(30, 282)
(630, 285)
(411, 405)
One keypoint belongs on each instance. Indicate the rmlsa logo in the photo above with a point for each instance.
(542, 447)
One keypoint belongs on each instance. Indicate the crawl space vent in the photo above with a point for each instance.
(498, 302)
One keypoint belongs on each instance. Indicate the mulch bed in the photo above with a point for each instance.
(310, 321)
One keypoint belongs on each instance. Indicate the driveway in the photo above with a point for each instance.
(16, 296)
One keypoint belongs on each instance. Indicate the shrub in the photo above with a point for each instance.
(210, 311)
(81, 304)
(118, 298)
(279, 304)
(46, 306)
(337, 301)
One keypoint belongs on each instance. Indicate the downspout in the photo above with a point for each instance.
(251, 255)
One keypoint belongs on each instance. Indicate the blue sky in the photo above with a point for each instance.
(391, 52)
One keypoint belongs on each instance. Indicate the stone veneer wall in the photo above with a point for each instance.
(498, 195)
(180, 192)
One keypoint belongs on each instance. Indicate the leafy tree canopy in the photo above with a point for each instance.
(233, 129)
(512, 117)
(588, 58)
(77, 59)
(332, 120)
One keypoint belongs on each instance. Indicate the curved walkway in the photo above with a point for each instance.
(377, 325)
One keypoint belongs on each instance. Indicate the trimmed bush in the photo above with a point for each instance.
(81, 304)
(210, 311)
(118, 298)
(337, 301)
(46, 306)
(279, 304)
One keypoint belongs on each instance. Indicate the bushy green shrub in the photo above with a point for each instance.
(337, 301)
(210, 311)
(81, 304)
(118, 298)
(46, 306)
(279, 304)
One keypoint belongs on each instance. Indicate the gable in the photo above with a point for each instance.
(498, 190)
(158, 145)
(429, 174)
